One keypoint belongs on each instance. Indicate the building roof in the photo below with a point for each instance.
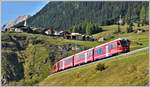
(75, 34)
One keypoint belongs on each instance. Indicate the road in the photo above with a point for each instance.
(123, 54)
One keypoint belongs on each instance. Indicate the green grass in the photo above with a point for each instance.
(52, 40)
(35, 55)
(128, 70)
(133, 37)
(36, 62)
(109, 29)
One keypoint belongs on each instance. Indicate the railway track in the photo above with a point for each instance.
(123, 54)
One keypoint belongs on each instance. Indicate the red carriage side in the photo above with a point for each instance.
(79, 58)
(66, 62)
(99, 52)
(111, 48)
(90, 55)
(61, 65)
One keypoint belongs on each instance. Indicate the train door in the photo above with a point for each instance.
(63, 64)
(119, 46)
(107, 50)
(86, 57)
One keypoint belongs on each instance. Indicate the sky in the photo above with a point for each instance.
(10, 10)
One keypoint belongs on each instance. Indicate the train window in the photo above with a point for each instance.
(111, 46)
(99, 51)
(124, 42)
(90, 53)
(68, 61)
(80, 56)
(118, 43)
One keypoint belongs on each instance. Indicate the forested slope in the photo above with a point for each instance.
(62, 15)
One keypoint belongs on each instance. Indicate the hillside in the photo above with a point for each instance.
(131, 70)
(62, 15)
(27, 58)
(135, 38)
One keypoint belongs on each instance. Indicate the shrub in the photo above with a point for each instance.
(100, 67)
(77, 75)
(130, 28)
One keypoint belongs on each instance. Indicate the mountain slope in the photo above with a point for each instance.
(127, 70)
(27, 58)
(18, 20)
(62, 15)
(34, 54)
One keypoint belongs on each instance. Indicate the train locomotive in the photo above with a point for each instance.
(105, 50)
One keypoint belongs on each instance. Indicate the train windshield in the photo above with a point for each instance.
(124, 42)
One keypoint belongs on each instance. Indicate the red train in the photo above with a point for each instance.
(102, 51)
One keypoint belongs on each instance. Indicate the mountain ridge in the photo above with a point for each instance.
(12, 23)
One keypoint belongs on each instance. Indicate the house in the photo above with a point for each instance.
(67, 35)
(138, 31)
(18, 30)
(61, 33)
(58, 33)
(11, 29)
(48, 31)
(76, 36)
(101, 39)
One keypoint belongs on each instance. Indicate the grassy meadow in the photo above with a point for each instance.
(36, 62)
(127, 70)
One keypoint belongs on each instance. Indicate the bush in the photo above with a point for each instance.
(130, 28)
(77, 75)
(100, 67)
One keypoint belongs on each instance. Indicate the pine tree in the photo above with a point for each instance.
(73, 29)
(88, 28)
(143, 15)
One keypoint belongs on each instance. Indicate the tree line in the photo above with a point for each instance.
(86, 27)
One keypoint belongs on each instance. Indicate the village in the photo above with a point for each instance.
(22, 27)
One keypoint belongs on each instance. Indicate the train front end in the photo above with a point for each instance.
(125, 45)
